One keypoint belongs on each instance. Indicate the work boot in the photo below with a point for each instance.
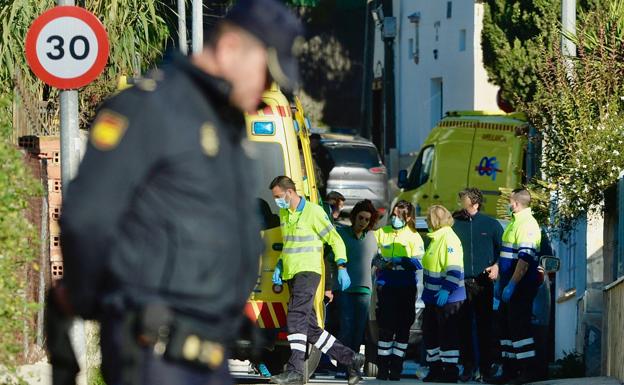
(435, 373)
(396, 367)
(288, 378)
(354, 369)
(383, 367)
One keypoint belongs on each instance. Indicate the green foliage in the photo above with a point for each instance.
(18, 242)
(579, 110)
(513, 37)
(572, 365)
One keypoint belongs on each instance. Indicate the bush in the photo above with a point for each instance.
(18, 243)
(579, 111)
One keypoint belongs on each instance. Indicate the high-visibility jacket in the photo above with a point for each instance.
(521, 240)
(303, 231)
(402, 243)
(443, 266)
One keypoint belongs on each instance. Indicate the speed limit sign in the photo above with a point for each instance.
(67, 47)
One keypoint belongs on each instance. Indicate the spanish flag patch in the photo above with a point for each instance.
(108, 129)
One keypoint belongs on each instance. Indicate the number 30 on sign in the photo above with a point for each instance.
(67, 47)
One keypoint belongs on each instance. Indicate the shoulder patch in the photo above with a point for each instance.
(108, 129)
(450, 250)
(209, 139)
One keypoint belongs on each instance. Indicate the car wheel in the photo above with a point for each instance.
(311, 363)
(370, 369)
(276, 360)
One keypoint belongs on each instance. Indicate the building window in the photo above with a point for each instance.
(437, 101)
(449, 9)
(462, 40)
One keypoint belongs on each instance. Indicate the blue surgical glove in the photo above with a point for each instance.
(343, 279)
(341, 262)
(508, 291)
(277, 274)
(442, 297)
(396, 261)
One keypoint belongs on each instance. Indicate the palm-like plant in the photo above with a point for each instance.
(137, 30)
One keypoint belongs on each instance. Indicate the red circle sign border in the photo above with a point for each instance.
(97, 28)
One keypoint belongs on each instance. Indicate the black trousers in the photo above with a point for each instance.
(396, 312)
(303, 326)
(517, 343)
(441, 334)
(477, 309)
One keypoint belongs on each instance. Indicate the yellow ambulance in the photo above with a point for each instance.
(489, 151)
(279, 142)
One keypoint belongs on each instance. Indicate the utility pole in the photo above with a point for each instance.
(367, 72)
(182, 43)
(198, 26)
(389, 34)
(568, 26)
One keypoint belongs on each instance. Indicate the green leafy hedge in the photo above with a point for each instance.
(18, 242)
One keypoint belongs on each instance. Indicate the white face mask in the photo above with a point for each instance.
(282, 203)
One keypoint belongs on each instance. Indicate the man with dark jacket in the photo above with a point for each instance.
(481, 238)
(160, 229)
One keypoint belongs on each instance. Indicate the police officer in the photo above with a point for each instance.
(305, 227)
(159, 229)
(516, 288)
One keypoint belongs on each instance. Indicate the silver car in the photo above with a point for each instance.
(358, 172)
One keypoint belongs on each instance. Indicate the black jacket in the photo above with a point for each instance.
(481, 237)
(167, 214)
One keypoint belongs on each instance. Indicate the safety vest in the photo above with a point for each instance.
(521, 240)
(303, 231)
(443, 266)
(399, 243)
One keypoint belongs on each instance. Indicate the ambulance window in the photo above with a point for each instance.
(422, 168)
(269, 158)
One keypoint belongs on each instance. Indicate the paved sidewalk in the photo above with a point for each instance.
(581, 381)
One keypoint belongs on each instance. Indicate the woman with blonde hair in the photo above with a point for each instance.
(401, 250)
(443, 295)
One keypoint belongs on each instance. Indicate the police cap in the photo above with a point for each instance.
(278, 28)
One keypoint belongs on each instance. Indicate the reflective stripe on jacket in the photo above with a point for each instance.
(521, 240)
(443, 265)
(402, 243)
(303, 233)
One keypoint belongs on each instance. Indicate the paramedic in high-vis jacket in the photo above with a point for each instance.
(305, 228)
(516, 288)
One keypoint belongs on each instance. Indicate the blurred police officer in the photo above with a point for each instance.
(159, 229)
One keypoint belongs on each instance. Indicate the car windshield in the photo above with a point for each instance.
(351, 155)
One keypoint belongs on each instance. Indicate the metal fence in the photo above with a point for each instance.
(31, 115)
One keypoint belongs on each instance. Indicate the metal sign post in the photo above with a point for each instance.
(198, 26)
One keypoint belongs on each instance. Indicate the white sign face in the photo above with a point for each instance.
(67, 47)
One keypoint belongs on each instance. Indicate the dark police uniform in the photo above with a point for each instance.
(158, 231)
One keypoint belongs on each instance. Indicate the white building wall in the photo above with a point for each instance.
(464, 81)
(484, 91)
